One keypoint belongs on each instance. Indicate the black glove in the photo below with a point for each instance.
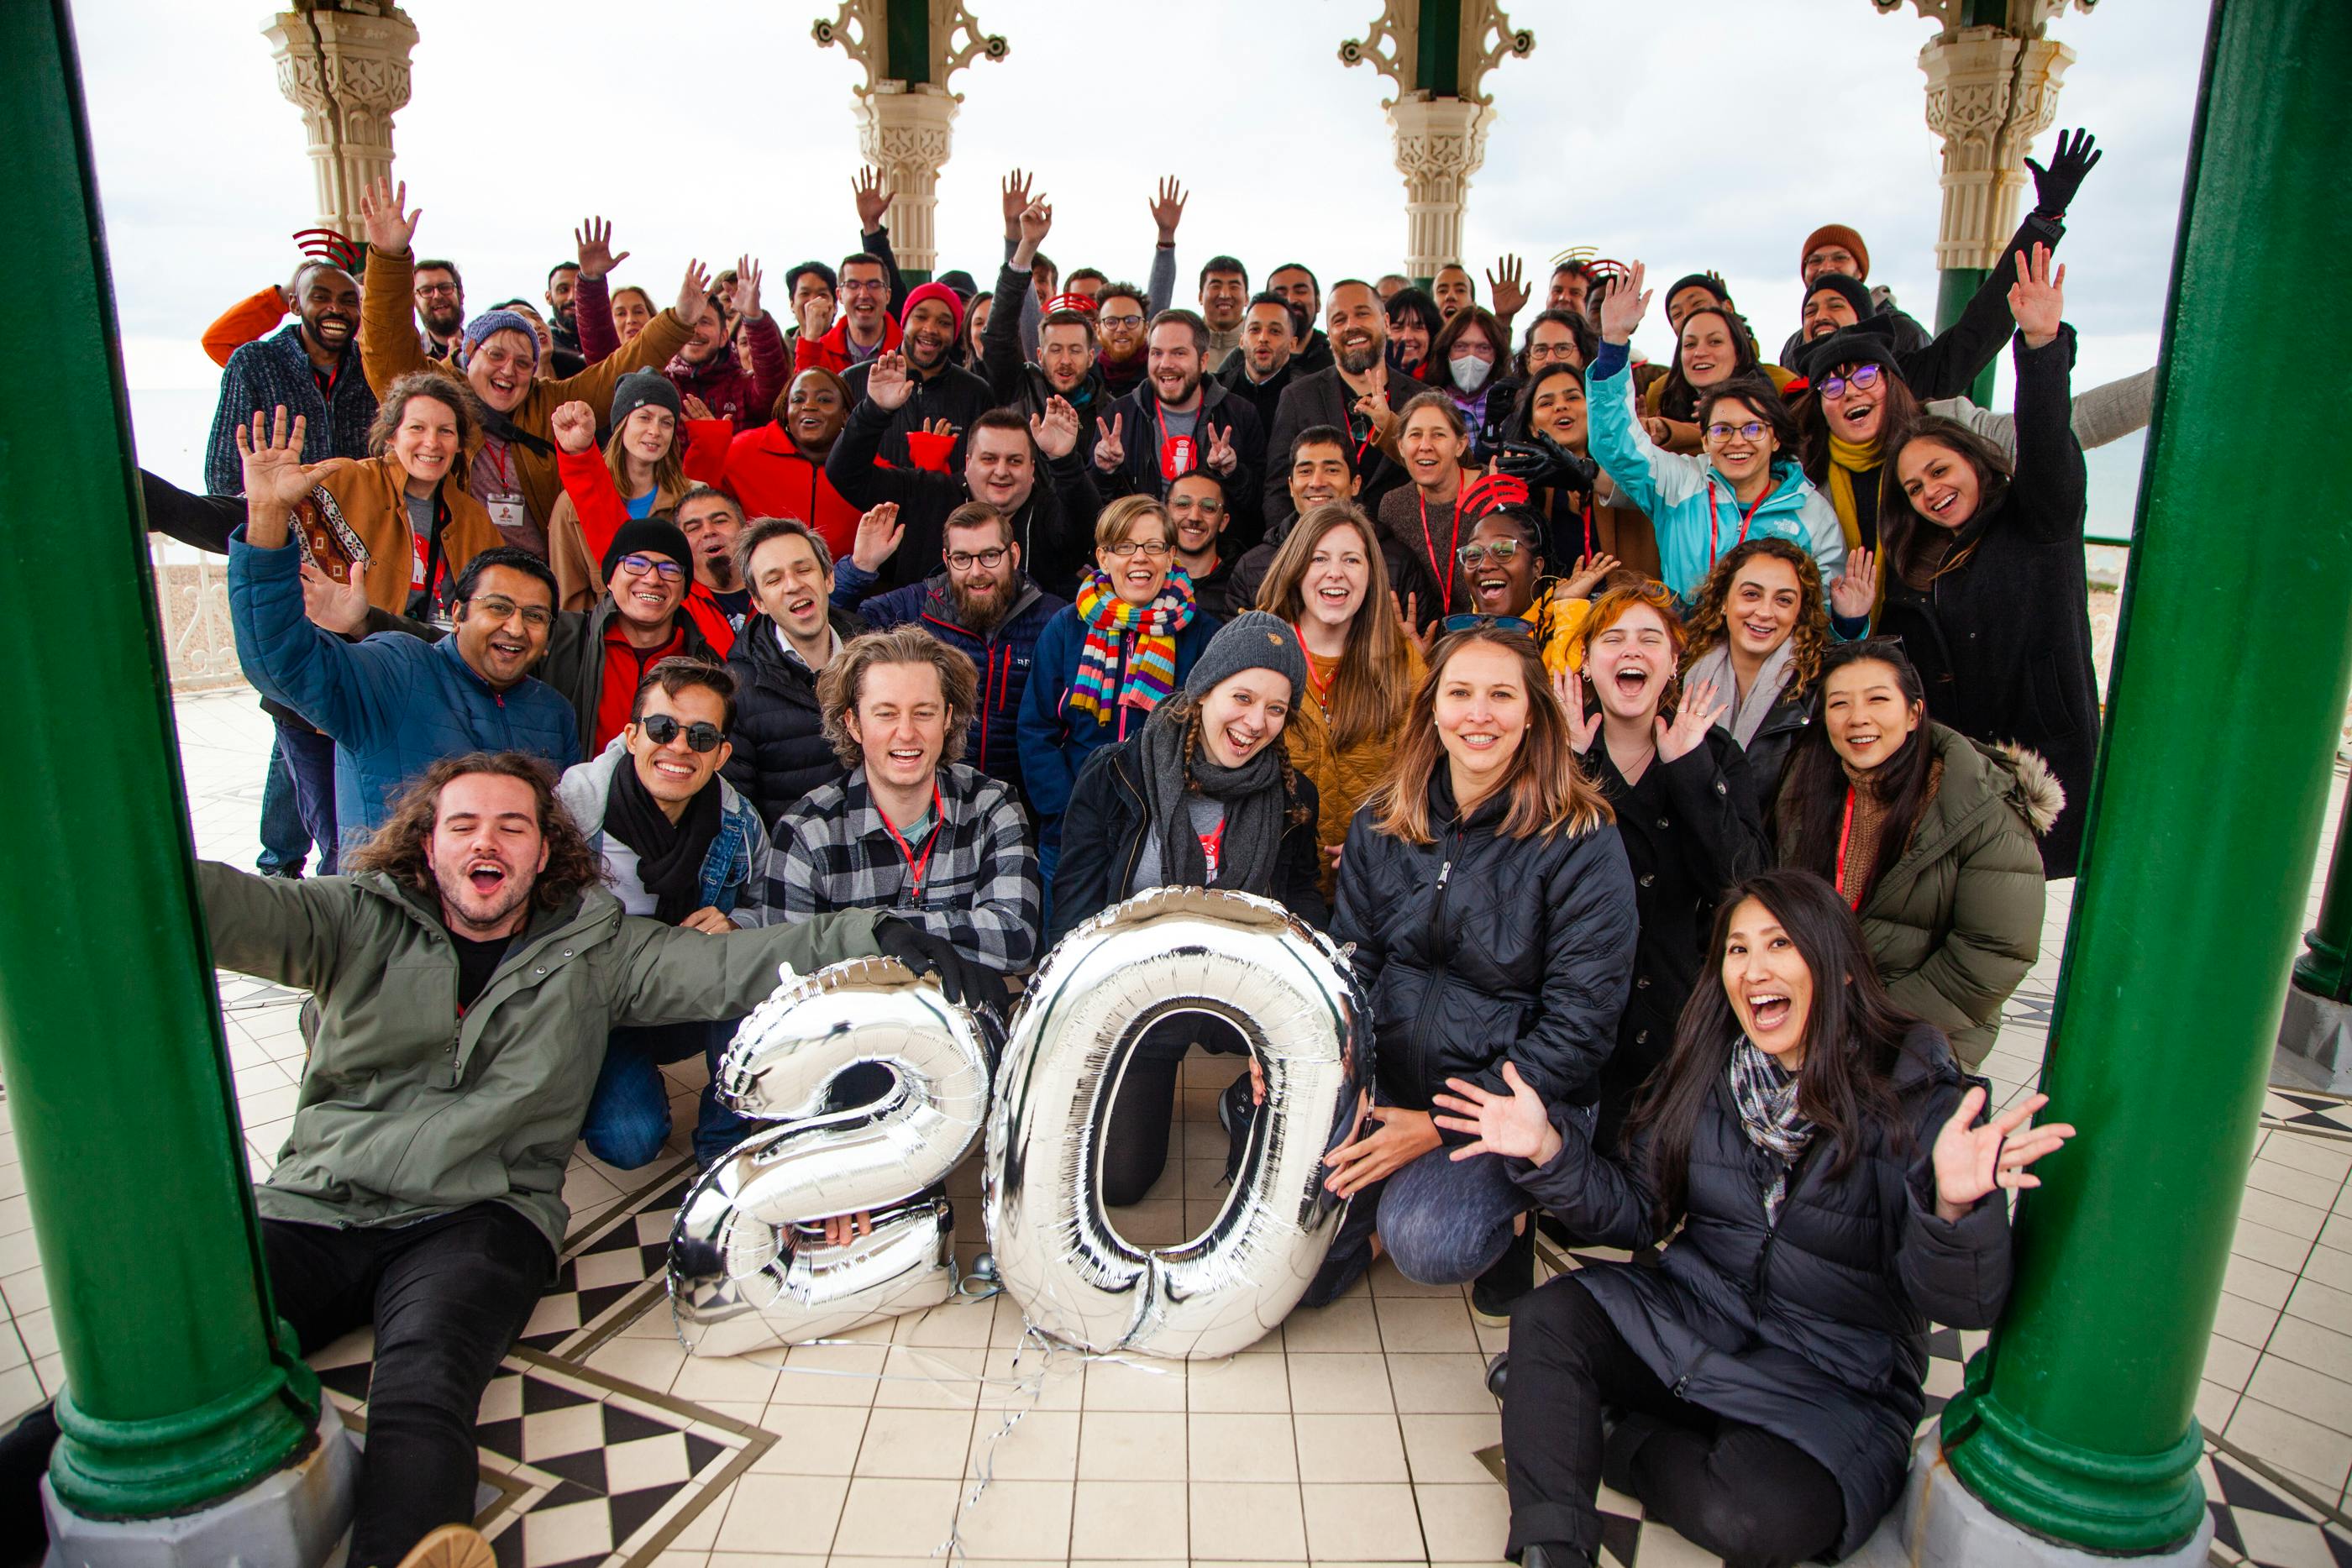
(1542, 463)
(967, 984)
(2054, 187)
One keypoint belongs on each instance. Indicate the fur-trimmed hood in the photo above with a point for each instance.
(2034, 791)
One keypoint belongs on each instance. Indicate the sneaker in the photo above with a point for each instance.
(451, 1546)
(1539, 1555)
(1512, 1276)
(1498, 1372)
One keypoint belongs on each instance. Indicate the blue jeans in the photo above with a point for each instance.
(284, 842)
(628, 1110)
(310, 766)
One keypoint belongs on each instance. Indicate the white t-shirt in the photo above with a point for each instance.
(621, 861)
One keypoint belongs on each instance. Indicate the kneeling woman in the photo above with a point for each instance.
(1203, 796)
(1820, 1151)
(1486, 892)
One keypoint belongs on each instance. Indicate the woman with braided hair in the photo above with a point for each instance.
(1203, 795)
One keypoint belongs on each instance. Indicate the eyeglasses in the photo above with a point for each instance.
(964, 560)
(1861, 378)
(638, 565)
(1476, 556)
(1156, 549)
(1518, 626)
(661, 729)
(1208, 507)
(1751, 431)
(436, 288)
(537, 616)
(1119, 321)
(863, 286)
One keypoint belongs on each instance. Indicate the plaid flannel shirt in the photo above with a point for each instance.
(980, 889)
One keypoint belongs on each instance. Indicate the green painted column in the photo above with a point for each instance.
(111, 1041)
(2324, 969)
(2077, 1421)
(1955, 287)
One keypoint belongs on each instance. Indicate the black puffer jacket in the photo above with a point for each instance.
(1104, 830)
(1475, 947)
(1814, 1329)
(1767, 753)
(781, 751)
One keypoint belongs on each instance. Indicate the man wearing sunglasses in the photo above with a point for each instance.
(678, 845)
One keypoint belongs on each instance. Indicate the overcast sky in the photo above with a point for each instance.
(1690, 133)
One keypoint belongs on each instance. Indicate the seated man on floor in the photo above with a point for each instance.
(678, 844)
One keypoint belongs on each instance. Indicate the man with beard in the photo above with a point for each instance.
(1225, 294)
(311, 369)
(981, 602)
(1262, 366)
(1322, 468)
(927, 430)
(1197, 509)
(1176, 421)
(1296, 284)
(1121, 312)
(712, 520)
(1051, 521)
(709, 367)
(440, 296)
(562, 287)
(1354, 395)
(1064, 367)
(1046, 282)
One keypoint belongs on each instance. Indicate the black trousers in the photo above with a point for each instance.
(1135, 1135)
(447, 1296)
(1754, 1499)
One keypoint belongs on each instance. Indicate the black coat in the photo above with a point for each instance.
(1221, 410)
(1264, 397)
(1104, 831)
(781, 751)
(1768, 752)
(1055, 528)
(1691, 828)
(950, 392)
(1016, 383)
(2003, 635)
(1320, 397)
(1475, 947)
(1814, 1328)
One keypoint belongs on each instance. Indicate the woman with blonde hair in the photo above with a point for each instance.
(655, 452)
(1486, 891)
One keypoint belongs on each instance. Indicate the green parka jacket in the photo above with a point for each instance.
(1956, 920)
(409, 1110)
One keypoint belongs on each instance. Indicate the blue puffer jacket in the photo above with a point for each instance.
(1691, 507)
(276, 370)
(734, 881)
(1055, 745)
(1003, 657)
(394, 705)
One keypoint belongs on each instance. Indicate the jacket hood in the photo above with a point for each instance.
(2034, 789)
(1978, 775)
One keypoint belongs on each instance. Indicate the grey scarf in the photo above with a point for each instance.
(1767, 1096)
(1251, 794)
(1743, 720)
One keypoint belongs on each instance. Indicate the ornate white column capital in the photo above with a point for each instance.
(2025, 18)
(1989, 93)
(345, 67)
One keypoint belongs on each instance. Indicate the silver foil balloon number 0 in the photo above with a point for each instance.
(747, 1268)
(1290, 995)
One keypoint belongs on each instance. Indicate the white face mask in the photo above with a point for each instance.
(1470, 371)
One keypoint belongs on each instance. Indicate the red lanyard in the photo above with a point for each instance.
(1714, 538)
(1845, 840)
(500, 459)
(1320, 688)
(1588, 524)
(1429, 542)
(915, 867)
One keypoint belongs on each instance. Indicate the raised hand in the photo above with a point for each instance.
(873, 199)
(1034, 221)
(1055, 431)
(592, 243)
(1221, 455)
(1854, 595)
(747, 289)
(2038, 298)
(1408, 615)
(339, 607)
(1568, 686)
(878, 533)
(694, 407)
(389, 229)
(1110, 450)
(1971, 1162)
(1505, 285)
(1515, 1125)
(1622, 308)
(1013, 196)
(1592, 571)
(1696, 715)
(1168, 208)
(887, 385)
(271, 452)
(574, 425)
(2054, 187)
(693, 293)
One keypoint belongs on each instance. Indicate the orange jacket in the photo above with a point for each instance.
(358, 513)
(250, 318)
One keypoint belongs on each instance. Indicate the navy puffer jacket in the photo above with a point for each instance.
(1476, 947)
(781, 751)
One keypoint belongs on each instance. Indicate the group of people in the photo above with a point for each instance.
(1679, 749)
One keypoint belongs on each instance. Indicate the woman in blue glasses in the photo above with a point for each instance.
(1748, 484)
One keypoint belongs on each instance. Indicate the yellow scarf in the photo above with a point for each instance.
(1848, 458)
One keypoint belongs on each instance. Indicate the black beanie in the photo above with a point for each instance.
(1871, 343)
(1698, 280)
(648, 534)
(1853, 290)
(641, 388)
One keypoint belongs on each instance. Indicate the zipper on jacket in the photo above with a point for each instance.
(1435, 994)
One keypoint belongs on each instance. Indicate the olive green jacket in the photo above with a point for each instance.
(409, 1109)
(1956, 921)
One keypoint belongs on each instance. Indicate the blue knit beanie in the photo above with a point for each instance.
(490, 321)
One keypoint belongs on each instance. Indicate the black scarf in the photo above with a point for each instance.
(513, 434)
(669, 854)
(1251, 795)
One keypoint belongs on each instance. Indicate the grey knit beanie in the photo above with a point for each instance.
(1252, 639)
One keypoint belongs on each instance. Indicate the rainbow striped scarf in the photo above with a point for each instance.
(1150, 663)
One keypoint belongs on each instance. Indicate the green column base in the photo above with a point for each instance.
(189, 1459)
(2128, 1504)
(2322, 970)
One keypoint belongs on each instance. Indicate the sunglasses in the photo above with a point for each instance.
(700, 736)
(1861, 378)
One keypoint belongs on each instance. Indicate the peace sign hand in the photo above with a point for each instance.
(1055, 431)
(2038, 298)
(592, 243)
(887, 385)
(1854, 593)
(1693, 719)
(1568, 688)
(1222, 456)
(1515, 1125)
(1971, 1162)
(1110, 451)
(878, 533)
(1624, 307)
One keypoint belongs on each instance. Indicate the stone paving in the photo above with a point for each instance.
(1359, 1433)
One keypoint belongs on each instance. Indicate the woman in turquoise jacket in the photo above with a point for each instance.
(1748, 485)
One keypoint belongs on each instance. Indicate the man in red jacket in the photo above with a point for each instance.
(865, 329)
(708, 368)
